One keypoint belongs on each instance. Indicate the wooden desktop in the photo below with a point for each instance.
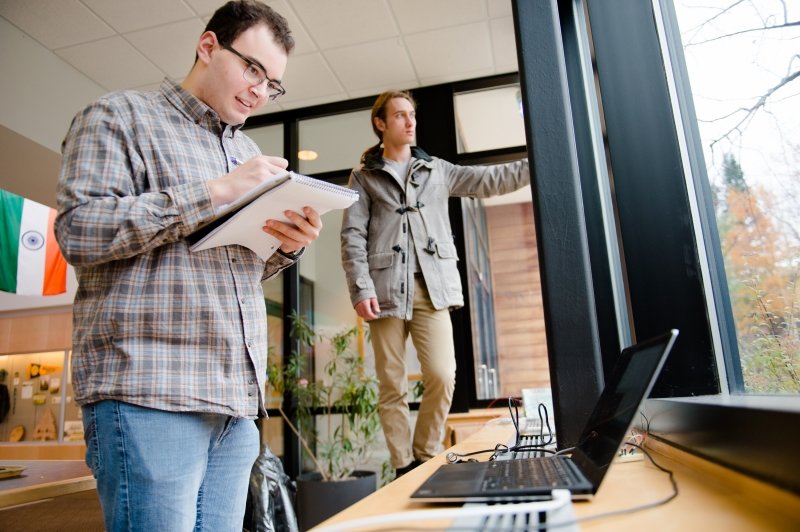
(44, 479)
(710, 497)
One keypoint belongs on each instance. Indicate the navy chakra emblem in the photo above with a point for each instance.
(32, 240)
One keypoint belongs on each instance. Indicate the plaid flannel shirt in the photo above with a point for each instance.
(154, 323)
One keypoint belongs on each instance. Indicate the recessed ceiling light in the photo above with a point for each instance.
(307, 155)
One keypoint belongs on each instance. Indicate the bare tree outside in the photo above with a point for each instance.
(743, 58)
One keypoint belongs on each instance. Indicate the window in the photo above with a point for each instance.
(626, 228)
(741, 59)
(268, 138)
(324, 302)
(505, 299)
(627, 80)
(502, 288)
(489, 119)
(272, 428)
(334, 142)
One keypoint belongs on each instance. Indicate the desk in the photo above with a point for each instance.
(460, 426)
(43, 479)
(710, 497)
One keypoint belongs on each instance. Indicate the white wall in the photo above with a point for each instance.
(41, 93)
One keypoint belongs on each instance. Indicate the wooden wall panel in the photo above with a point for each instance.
(33, 331)
(519, 314)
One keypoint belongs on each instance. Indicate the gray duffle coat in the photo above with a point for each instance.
(395, 212)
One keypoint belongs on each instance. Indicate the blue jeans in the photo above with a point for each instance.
(176, 471)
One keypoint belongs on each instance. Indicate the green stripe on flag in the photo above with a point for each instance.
(10, 219)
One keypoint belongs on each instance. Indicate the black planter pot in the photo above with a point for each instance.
(318, 500)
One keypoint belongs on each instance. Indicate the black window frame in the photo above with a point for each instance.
(437, 135)
(750, 434)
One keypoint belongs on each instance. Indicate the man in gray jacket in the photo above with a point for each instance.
(400, 261)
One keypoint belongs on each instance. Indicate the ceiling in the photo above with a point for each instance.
(344, 48)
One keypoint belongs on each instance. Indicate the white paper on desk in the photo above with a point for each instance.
(241, 222)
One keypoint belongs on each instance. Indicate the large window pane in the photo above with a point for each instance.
(506, 309)
(325, 302)
(743, 68)
(268, 138)
(272, 428)
(337, 141)
(489, 119)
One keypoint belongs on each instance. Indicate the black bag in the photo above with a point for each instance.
(270, 501)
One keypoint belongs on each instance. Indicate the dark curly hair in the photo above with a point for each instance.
(238, 16)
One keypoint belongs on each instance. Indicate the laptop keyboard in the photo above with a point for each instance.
(512, 474)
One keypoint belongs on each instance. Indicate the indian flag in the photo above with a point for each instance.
(30, 261)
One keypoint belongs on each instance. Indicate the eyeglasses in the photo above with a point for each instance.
(256, 74)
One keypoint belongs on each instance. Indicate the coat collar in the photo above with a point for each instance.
(374, 161)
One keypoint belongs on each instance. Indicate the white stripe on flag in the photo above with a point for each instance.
(32, 248)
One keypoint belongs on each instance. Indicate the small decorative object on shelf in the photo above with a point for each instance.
(46, 427)
(17, 433)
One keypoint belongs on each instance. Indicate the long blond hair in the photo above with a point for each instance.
(379, 111)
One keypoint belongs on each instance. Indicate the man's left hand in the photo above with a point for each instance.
(305, 230)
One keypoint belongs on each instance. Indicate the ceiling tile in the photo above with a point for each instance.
(308, 77)
(270, 107)
(334, 42)
(125, 15)
(207, 7)
(113, 63)
(345, 22)
(448, 53)
(303, 43)
(408, 84)
(56, 24)
(300, 104)
(170, 47)
(504, 46)
(376, 64)
(414, 16)
(499, 8)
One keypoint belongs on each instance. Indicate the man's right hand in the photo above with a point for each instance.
(244, 177)
(368, 309)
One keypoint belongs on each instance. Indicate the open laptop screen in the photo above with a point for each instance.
(619, 403)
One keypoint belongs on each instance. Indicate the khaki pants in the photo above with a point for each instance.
(432, 333)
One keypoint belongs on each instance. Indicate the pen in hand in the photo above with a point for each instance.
(243, 176)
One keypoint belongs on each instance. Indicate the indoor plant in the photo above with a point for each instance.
(346, 398)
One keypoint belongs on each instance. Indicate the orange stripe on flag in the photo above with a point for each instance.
(55, 267)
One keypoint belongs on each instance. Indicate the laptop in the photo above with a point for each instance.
(582, 471)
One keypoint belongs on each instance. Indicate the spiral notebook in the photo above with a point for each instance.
(240, 222)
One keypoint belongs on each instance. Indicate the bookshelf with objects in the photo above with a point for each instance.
(36, 405)
(39, 419)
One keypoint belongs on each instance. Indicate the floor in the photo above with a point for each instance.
(79, 512)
